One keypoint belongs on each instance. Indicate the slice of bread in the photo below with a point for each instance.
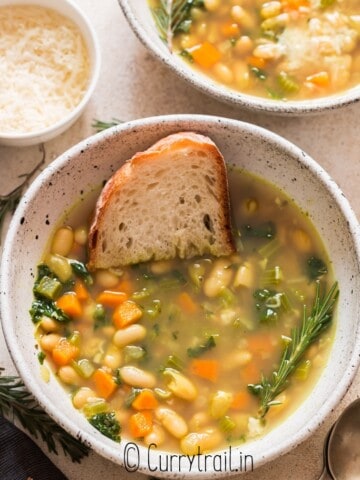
(170, 201)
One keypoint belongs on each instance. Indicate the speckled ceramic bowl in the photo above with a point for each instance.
(70, 10)
(88, 164)
(137, 13)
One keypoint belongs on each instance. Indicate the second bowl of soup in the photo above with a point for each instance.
(241, 355)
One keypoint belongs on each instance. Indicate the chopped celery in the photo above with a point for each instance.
(226, 424)
(285, 303)
(270, 248)
(134, 353)
(74, 338)
(99, 316)
(83, 367)
(287, 83)
(244, 322)
(154, 310)
(131, 397)
(303, 370)
(48, 287)
(95, 407)
(141, 294)
(174, 362)
(228, 298)
(272, 276)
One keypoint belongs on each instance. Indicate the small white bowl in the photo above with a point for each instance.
(139, 16)
(85, 166)
(71, 11)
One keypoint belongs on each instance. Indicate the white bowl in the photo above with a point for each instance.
(71, 11)
(86, 165)
(137, 13)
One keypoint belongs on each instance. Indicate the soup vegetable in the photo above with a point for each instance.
(280, 49)
(182, 353)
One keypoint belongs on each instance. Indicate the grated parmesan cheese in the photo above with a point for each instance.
(44, 68)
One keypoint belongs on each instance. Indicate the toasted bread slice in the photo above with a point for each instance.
(170, 201)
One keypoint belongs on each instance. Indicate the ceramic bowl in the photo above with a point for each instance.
(70, 10)
(138, 15)
(85, 166)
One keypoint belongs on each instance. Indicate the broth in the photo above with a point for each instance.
(169, 348)
(286, 49)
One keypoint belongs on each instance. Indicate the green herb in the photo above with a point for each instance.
(134, 353)
(174, 16)
(131, 397)
(100, 317)
(264, 230)
(118, 380)
(43, 307)
(315, 268)
(107, 424)
(9, 202)
(187, 55)
(202, 348)
(41, 357)
(16, 401)
(81, 271)
(100, 125)
(313, 324)
(258, 72)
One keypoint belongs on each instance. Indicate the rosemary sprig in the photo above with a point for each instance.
(313, 325)
(174, 16)
(100, 125)
(17, 402)
(9, 202)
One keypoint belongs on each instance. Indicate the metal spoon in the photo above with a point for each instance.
(342, 448)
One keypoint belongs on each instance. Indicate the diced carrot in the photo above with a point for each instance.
(294, 4)
(140, 424)
(208, 369)
(241, 400)
(187, 304)
(230, 29)
(126, 314)
(110, 298)
(205, 54)
(69, 304)
(80, 290)
(250, 373)
(126, 286)
(104, 383)
(145, 400)
(64, 352)
(321, 79)
(256, 62)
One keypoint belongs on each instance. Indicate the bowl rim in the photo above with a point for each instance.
(93, 47)
(230, 96)
(100, 445)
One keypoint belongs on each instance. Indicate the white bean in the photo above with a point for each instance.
(172, 421)
(136, 377)
(180, 385)
(212, 5)
(243, 45)
(62, 241)
(223, 73)
(60, 266)
(68, 375)
(106, 279)
(132, 334)
(269, 51)
(245, 276)
(156, 436)
(81, 235)
(49, 324)
(82, 396)
(220, 403)
(220, 277)
(48, 342)
(198, 442)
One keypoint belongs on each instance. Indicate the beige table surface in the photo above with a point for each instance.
(134, 85)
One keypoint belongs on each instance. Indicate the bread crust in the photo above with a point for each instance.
(171, 143)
